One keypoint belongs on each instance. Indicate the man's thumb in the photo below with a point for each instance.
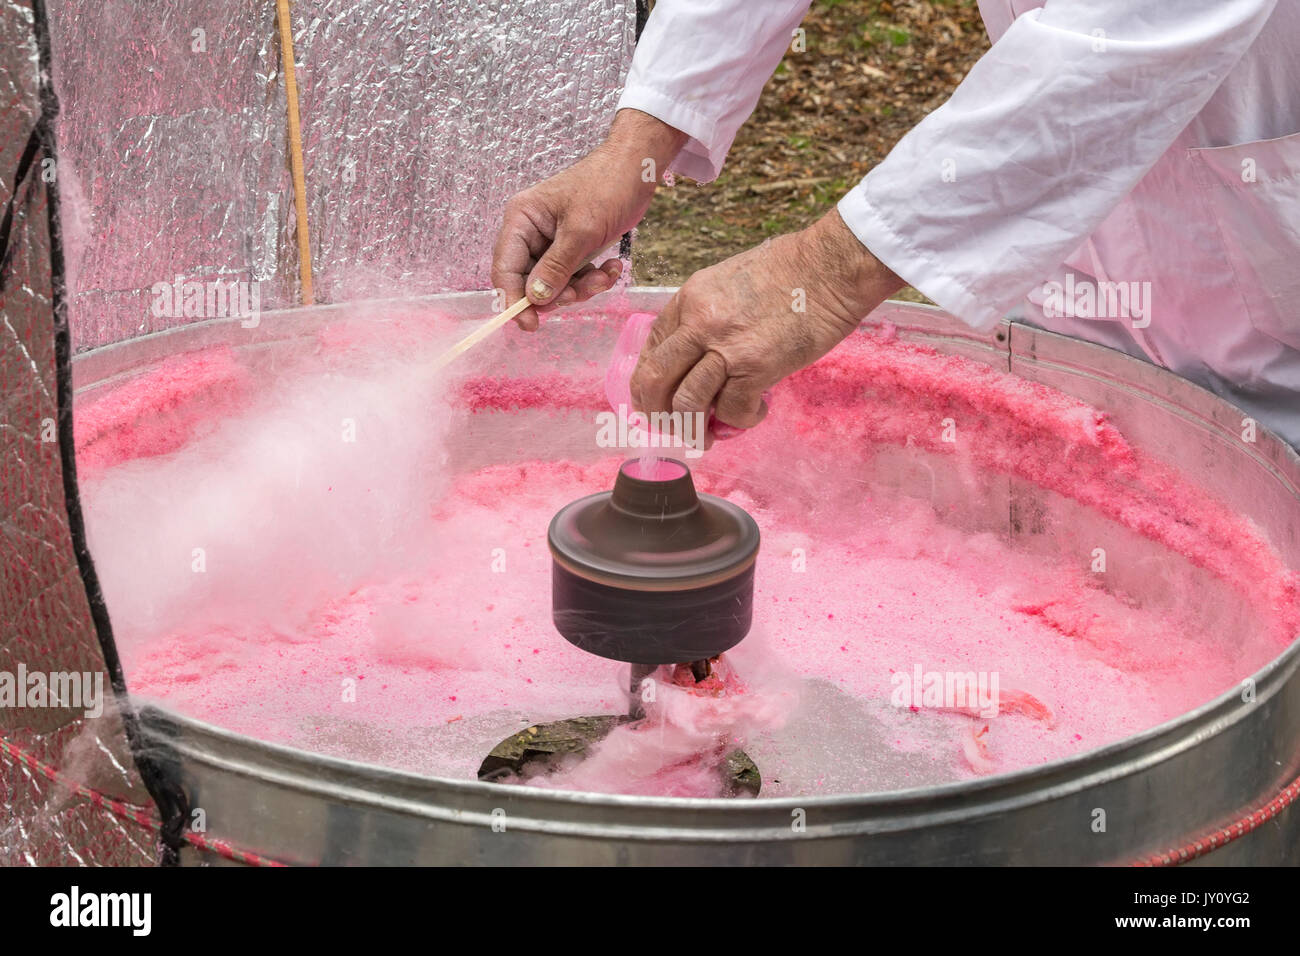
(566, 255)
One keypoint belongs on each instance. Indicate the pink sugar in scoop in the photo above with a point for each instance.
(618, 377)
(654, 469)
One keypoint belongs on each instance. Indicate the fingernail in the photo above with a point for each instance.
(541, 289)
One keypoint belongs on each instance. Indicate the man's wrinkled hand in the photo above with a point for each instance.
(737, 328)
(551, 230)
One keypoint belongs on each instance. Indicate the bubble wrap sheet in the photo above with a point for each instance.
(419, 120)
(45, 623)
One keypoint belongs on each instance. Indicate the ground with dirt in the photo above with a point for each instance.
(869, 71)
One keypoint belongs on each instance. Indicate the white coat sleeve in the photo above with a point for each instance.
(1048, 132)
(700, 66)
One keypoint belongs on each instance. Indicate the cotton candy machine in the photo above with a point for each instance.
(922, 511)
(654, 574)
(651, 572)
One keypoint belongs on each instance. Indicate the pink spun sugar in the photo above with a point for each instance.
(649, 468)
(159, 411)
(407, 623)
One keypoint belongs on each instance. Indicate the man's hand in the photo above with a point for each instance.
(741, 326)
(551, 230)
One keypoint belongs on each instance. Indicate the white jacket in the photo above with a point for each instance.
(1151, 145)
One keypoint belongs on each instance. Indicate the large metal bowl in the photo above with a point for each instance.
(1160, 790)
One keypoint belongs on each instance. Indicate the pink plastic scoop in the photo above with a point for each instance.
(618, 377)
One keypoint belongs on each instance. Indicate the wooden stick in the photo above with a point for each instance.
(295, 150)
(482, 332)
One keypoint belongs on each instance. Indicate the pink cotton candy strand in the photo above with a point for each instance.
(1010, 700)
(975, 748)
(678, 747)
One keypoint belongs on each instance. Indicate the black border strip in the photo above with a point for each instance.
(642, 15)
(6, 224)
(158, 771)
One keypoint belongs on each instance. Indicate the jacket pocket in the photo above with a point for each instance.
(1253, 191)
